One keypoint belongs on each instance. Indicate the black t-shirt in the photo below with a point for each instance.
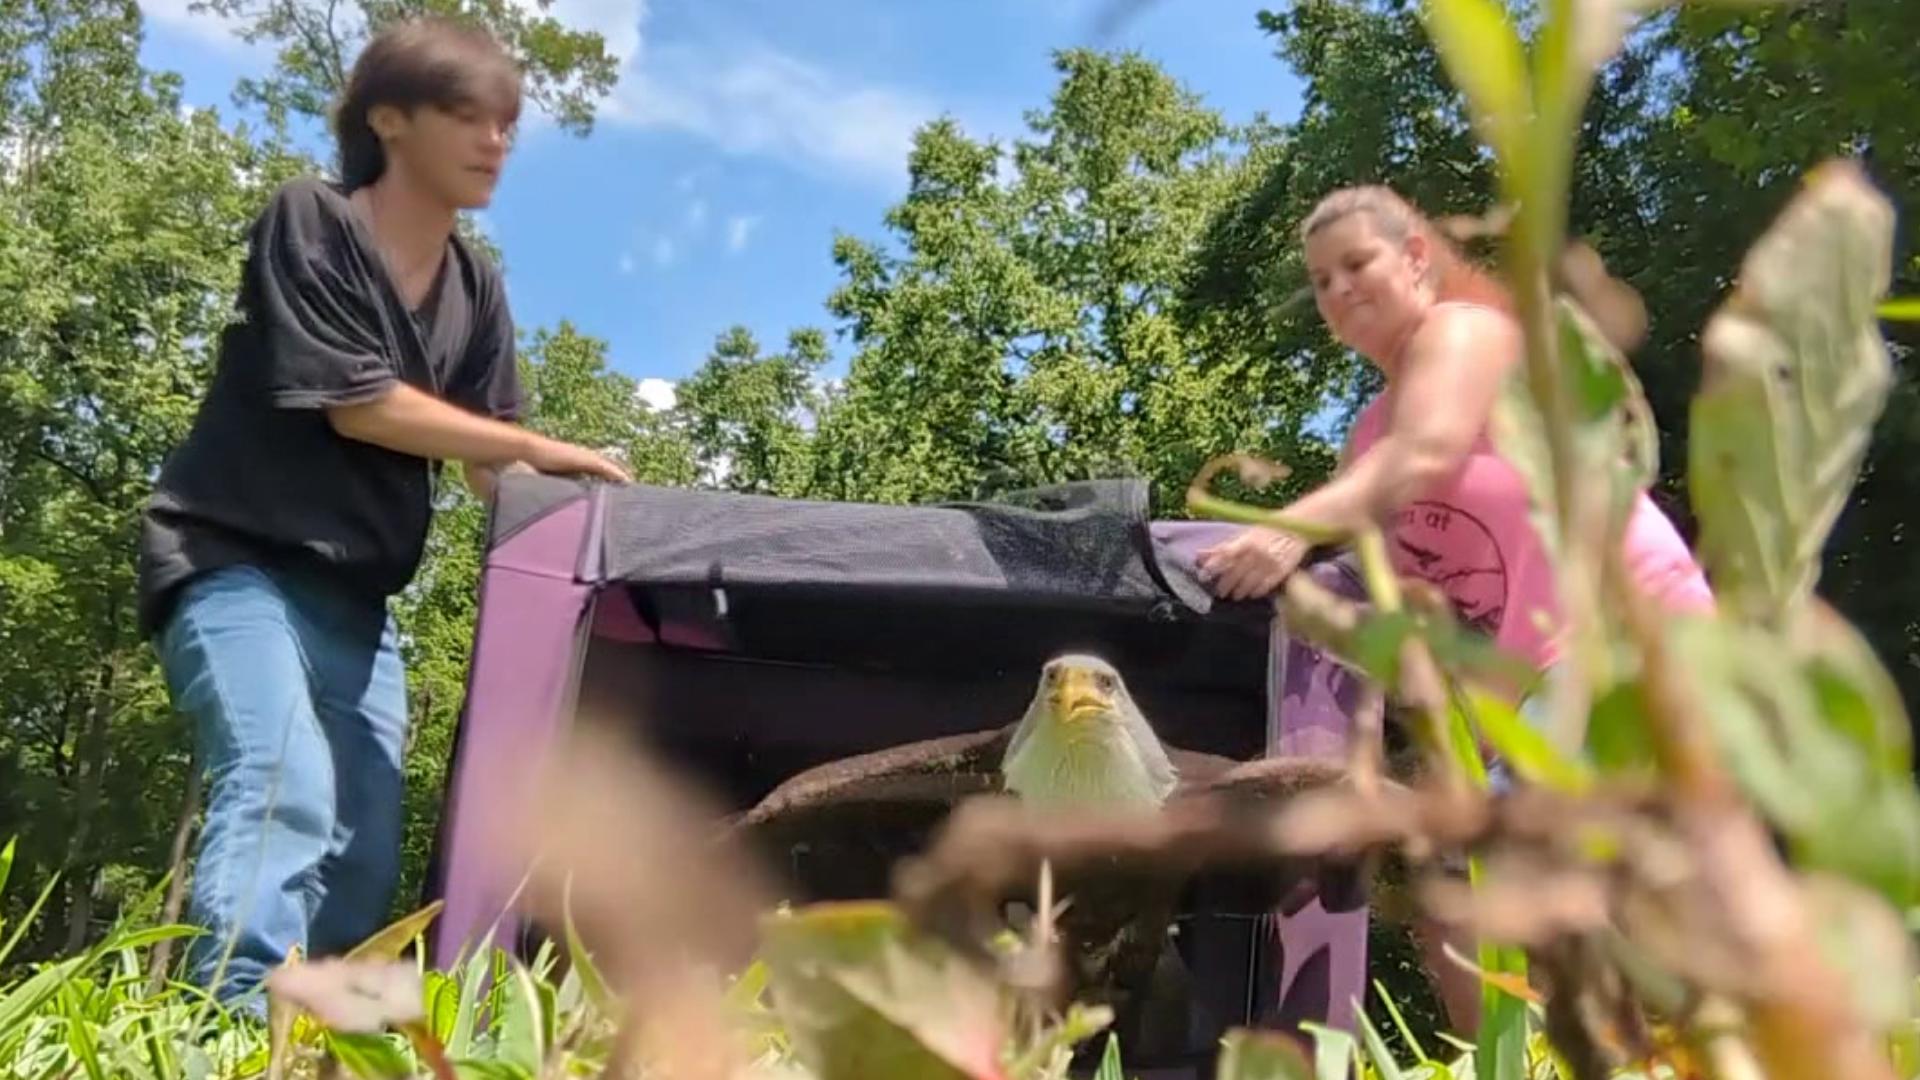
(262, 477)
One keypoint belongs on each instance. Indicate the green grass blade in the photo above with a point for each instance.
(1400, 1022)
(473, 976)
(1501, 1051)
(1523, 746)
(142, 939)
(80, 1035)
(1110, 1067)
(582, 961)
(1378, 1055)
(442, 1004)
(28, 919)
(22, 1002)
(1904, 309)
(522, 1029)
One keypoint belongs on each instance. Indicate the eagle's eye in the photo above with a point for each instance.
(1105, 682)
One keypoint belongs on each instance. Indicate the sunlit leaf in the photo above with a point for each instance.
(372, 1056)
(392, 940)
(1261, 1055)
(581, 960)
(20, 1003)
(442, 1003)
(863, 997)
(1809, 771)
(1334, 1051)
(1524, 747)
(523, 1028)
(1484, 58)
(1857, 695)
(466, 1011)
(1796, 375)
(1617, 736)
(1378, 1055)
(154, 935)
(81, 1043)
(27, 920)
(748, 986)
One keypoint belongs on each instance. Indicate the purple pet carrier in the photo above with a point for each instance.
(746, 638)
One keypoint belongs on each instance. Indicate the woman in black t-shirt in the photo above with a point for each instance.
(370, 344)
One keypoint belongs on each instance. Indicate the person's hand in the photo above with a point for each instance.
(1252, 564)
(565, 459)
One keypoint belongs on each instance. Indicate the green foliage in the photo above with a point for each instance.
(749, 415)
(840, 992)
(1034, 326)
(566, 71)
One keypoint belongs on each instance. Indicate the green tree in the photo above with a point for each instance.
(1033, 327)
(125, 218)
(748, 416)
(567, 71)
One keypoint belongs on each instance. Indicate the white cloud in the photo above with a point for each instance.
(740, 230)
(658, 394)
(626, 263)
(758, 100)
(696, 213)
(745, 98)
(664, 251)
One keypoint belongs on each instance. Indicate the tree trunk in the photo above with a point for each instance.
(177, 879)
(90, 773)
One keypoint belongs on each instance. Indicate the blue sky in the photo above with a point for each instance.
(744, 133)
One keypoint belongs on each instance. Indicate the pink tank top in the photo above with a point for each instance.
(1471, 537)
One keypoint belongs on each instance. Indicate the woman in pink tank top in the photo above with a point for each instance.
(1419, 458)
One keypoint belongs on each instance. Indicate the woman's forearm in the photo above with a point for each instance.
(1381, 480)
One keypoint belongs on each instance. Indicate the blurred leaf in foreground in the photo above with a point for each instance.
(1796, 375)
(865, 998)
(1256, 1055)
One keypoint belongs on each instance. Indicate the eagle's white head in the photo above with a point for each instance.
(1083, 742)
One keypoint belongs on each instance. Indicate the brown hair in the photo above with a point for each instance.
(1452, 275)
(428, 61)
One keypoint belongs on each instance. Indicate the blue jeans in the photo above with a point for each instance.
(298, 702)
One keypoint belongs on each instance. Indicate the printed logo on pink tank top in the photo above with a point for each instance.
(1471, 536)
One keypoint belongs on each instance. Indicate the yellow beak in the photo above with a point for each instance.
(1079, 697)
